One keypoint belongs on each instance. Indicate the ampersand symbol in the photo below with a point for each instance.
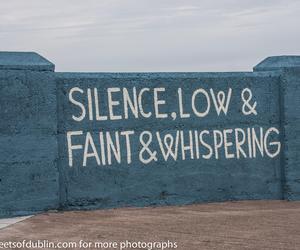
(145, 144)
(246, 99)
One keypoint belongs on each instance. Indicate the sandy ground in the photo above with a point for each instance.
(228, 225)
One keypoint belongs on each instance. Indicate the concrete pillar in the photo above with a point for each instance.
(28, 134)
(289, 69)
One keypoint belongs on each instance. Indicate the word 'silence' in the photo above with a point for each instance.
(121, 103)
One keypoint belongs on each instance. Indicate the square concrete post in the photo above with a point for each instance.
(289, 70)
(28, 134)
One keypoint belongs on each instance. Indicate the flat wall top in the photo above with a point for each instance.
(277, 63)
(155, 75)
(24, 61)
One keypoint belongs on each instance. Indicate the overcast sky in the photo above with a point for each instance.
(151, 35)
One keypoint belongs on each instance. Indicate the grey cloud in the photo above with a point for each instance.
(151, 35)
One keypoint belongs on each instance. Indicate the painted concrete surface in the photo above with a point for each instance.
(230, 225)
(28, 127)
(102, 140)
(187, 179)
(24, 61)
(10, 221)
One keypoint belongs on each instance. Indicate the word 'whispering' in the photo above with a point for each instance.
(107, 148)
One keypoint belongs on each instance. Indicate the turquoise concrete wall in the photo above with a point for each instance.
(289, 69)
(28, 134)
(63, 149)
